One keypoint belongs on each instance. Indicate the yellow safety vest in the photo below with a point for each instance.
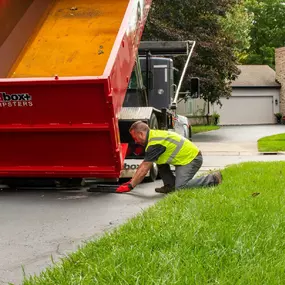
(179, 150)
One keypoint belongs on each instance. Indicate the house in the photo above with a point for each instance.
(254, 100)
(280, 75)
(255, 97)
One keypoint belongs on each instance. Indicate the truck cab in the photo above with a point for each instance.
(151, 91)
(158, 88)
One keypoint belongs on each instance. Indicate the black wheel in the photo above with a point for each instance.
(190, 133)
(187, 133)
(153, 174)
(153, 124)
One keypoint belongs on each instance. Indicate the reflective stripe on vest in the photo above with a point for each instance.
(179, 150)
(179, 145)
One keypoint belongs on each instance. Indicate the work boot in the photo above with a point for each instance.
(218, 177)
(165, 189)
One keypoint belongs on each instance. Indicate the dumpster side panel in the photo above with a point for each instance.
(11, 12)
(123, 56)
(68, 126)
(18, 19)
(58, 128)
(76, 36)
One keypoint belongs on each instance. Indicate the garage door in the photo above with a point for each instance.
(247, 111)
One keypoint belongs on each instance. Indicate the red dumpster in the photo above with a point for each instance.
(62, 87)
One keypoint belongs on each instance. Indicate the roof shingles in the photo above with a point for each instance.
(256, 76)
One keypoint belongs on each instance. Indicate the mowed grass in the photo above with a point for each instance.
(231, 234)
(202, 129)
(272, 143)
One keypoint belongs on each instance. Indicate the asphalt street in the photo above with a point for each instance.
(36, 225)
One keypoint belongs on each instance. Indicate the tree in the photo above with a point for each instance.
(267, 32)
(238, 23)
(213, 60)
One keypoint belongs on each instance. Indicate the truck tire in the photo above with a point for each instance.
(153, 174)
(187, 132)
(153, 124)
(190, 133)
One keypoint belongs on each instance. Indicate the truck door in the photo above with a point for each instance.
(161, 93)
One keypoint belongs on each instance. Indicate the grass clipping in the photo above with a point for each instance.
(232, 234)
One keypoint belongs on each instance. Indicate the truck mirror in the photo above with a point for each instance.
(195, 87)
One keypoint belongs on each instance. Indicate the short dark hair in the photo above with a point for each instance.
(139, 126)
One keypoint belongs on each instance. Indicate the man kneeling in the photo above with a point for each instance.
(168, 148)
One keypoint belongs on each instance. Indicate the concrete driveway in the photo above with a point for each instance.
(235, 144)
(235, 140)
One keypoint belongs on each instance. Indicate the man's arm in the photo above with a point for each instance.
(151, 156)
(141, 172)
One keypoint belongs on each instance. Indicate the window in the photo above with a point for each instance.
(133, 84)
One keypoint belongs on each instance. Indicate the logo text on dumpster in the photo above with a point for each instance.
(15, 100)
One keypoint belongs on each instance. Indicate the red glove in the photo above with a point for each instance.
(126, 187)
(127, 183)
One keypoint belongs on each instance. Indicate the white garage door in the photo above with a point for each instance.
(247, 110)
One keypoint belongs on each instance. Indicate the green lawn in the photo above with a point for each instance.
(232, 234)
(202, 129)
(272, 143)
